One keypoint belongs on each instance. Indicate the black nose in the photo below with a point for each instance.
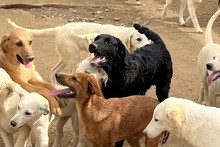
(31, 58)
(57, 75)
(209, 66)
(13, 123)
(93, 46)
(145, 133)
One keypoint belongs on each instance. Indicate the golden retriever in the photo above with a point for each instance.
(16, 58)
(107, 121)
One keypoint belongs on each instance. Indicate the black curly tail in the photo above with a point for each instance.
(149, 34)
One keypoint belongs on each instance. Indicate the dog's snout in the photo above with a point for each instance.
(13, 123)
(31, 58)
(93, 46)
(57, 75)
(209, 66)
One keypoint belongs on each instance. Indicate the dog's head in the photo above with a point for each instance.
(213, 68)
(135, 40)
(108, 51)
(17, 45)
(81, 86)
(30, 108)
(6, 84)
(99, 73)
(167, 117)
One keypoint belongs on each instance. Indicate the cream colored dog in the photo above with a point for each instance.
(69, 44)
(198, 124)
(191, 5)
(208, 63)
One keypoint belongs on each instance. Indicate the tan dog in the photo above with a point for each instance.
(16, 58)
(107, 121)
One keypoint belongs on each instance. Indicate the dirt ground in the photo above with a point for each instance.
(182, 41)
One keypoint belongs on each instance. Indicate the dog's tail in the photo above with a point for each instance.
(36, 32)
(208, 32)
(149, 34)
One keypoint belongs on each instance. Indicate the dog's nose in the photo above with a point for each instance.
(31, 58)
(93, 46)
(209, 66)
(57, 75)
(13, 123)
(145, 133)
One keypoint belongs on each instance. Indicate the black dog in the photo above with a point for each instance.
(133, 74)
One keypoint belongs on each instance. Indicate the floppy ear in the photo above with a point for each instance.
(176, 117)
(4, 43)
(128, 41)
(93, 88)
(45, 109)
(122, 51)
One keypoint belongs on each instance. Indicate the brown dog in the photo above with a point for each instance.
(16, 58)
(107, 121)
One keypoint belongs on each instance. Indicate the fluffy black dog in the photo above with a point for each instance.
(133, 74)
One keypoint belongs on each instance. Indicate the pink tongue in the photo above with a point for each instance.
(61, 91)
(211, 77)
(28, 65)
(95, 60)
(164, 137)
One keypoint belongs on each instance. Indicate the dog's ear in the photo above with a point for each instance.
(128, 41)
(44, 109)
(4, 43)
(93, 88)
(122, 51)
(176, 118)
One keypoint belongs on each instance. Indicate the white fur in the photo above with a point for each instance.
(69, 44)
(33, 111)
(198, 124)
(70, 111)
(191, 5)
(9, 97)
(210, 50)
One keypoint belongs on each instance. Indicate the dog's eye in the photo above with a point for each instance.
(18, 108)
(139, 39)
(30, 42)
(213, 57)
(156, 120)
(27, 113)
(19, 44)
(74, 79)
(107, 41)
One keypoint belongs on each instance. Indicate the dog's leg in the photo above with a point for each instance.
(182, 9)
(24, 133)
(152, 142)
(212, 96)
(134, 141)
(75, 126)
(41, 135)
(201, 98)
(192, 12)
(7, 139)
(59, 134)
(58, 67)
(166, 6)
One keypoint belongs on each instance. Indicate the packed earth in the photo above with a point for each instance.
(182, 42)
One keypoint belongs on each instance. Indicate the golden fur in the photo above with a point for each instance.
(107, 121)
(18, 42)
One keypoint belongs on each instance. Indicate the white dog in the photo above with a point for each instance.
(198, 124)
(69, 44)
(70, 111)
(33, 111)
(208, 63)
(9, 97)
(191, 5)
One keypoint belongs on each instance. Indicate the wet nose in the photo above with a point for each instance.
(93, 46)
(57, 75)
(31, 58)
(209, 66)
(13, 123)
(145, 133)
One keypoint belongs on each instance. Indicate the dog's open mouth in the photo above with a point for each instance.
(97, 60)
(64, 93)
(164, 137)
(27, 65)
(214, 76)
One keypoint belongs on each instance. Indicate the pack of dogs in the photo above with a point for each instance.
(104, 94)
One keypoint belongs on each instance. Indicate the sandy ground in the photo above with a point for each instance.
(182, 41)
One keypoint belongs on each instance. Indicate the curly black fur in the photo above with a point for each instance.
(134, 74)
